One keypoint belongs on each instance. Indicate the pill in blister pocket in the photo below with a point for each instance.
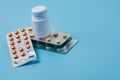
(22, 29)
(16, 32)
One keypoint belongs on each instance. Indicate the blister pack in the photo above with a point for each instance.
(56, 41)
(20, 47)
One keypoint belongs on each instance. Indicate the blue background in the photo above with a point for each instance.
(95, 23)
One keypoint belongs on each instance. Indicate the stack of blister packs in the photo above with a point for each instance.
(39, 35)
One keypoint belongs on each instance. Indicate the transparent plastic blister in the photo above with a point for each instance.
(20, 47)
(56, 41)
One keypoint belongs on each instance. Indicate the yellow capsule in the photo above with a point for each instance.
(57, 41)
(55, 34)
(30, 28)
(64, 35)
(40, 38)
(32, 35)
(48, 39)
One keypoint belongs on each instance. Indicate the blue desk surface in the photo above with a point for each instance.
(95, 23)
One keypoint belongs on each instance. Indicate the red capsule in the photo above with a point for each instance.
(22, 29)
(14, 51)
(26, 42)
(12, 43)
(18, 40)
(12, 47)
(11, 38)
(27, 46)
(10, 34)
(24, 33)
(15, 56)
(25, 37)
(16, 32)
(21, 49)
(22, 54)
(17, 36)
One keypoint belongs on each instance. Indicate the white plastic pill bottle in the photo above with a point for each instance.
(40, 21)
